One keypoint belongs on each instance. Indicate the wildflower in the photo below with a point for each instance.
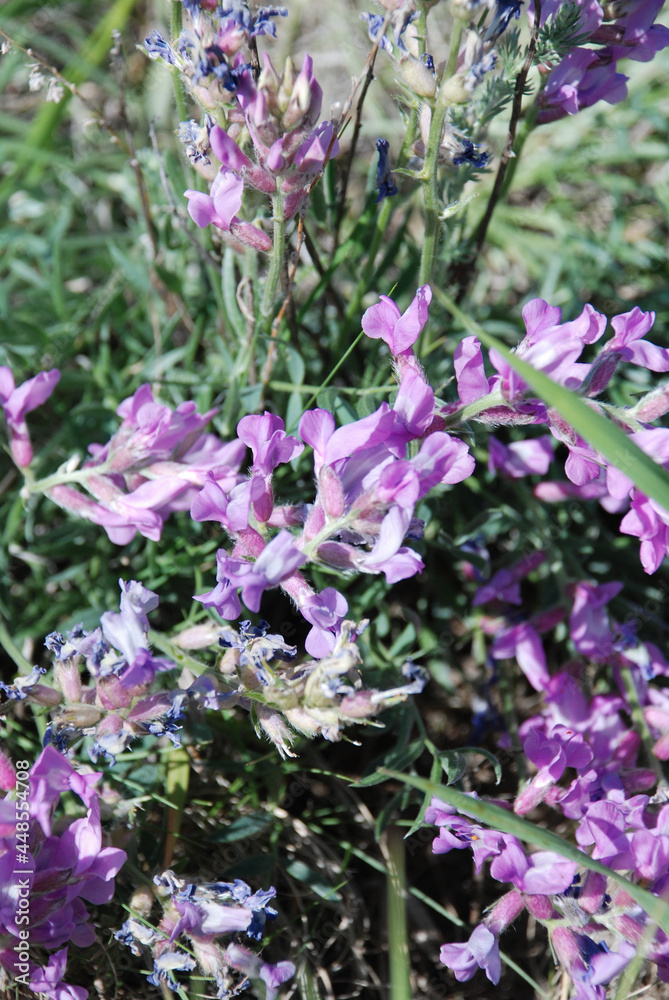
(385, 184)
(16, 402)
(155, 463)
(220, 207)
(521, 458)
(469, 154)
(64, 869)
(481, 951)
(399, 330)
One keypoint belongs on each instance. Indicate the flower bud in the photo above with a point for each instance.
(67, 677)
(331, 492)
(305, 99)
(420, 80)
(455, 91)
(7, 773)
(653, 405)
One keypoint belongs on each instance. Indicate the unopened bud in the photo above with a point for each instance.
(653, 405)
(331, 492)
(420, 80)
(454, 90)
(67, 677)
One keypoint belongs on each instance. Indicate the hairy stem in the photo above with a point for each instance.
(431, 168)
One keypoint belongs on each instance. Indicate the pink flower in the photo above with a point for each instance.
(220, 207)
(17, 402)
(399, 330)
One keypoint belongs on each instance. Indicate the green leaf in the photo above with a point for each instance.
(454, 765)
(594, 428)
(501, 819)
(395, 759)
(245, 826)
(302, 873)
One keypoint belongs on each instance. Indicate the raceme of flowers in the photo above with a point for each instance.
(195, 916)
(367, 489)
(62, 870)
(594, 925)
(279, 112)
(131, 694)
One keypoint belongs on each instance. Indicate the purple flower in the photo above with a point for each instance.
(385, 184)
(521, 458)
(551, 754)
(524, 643)
(480, 952)
(277, 560)
(589, 623)
(63, 869)
(16, 402)
(252, 966)
(469, 371)
(48, 981)
(649, 522)
(220, 206)
(399, 330)
(542, 873)
(551, 347)
(630, 329)
(590, 964)
(505, 584)
(128, 630)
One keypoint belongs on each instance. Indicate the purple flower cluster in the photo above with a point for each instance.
(555, 348)
(278, 111)
(195, 915)
(155, 464)
(115, 707)
(605, 34)
(315, 697)
(591, 766)
(367, 492)
(62, 872)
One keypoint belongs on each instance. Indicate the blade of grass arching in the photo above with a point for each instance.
(398, 934)
(501, 819)
(91, 54)
(602, 434)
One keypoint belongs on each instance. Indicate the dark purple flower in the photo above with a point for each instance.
(385, 184)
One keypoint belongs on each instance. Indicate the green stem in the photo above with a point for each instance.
(275, 264)
(334, 371)
(398, 932)
(431, 168)
(641, 726)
